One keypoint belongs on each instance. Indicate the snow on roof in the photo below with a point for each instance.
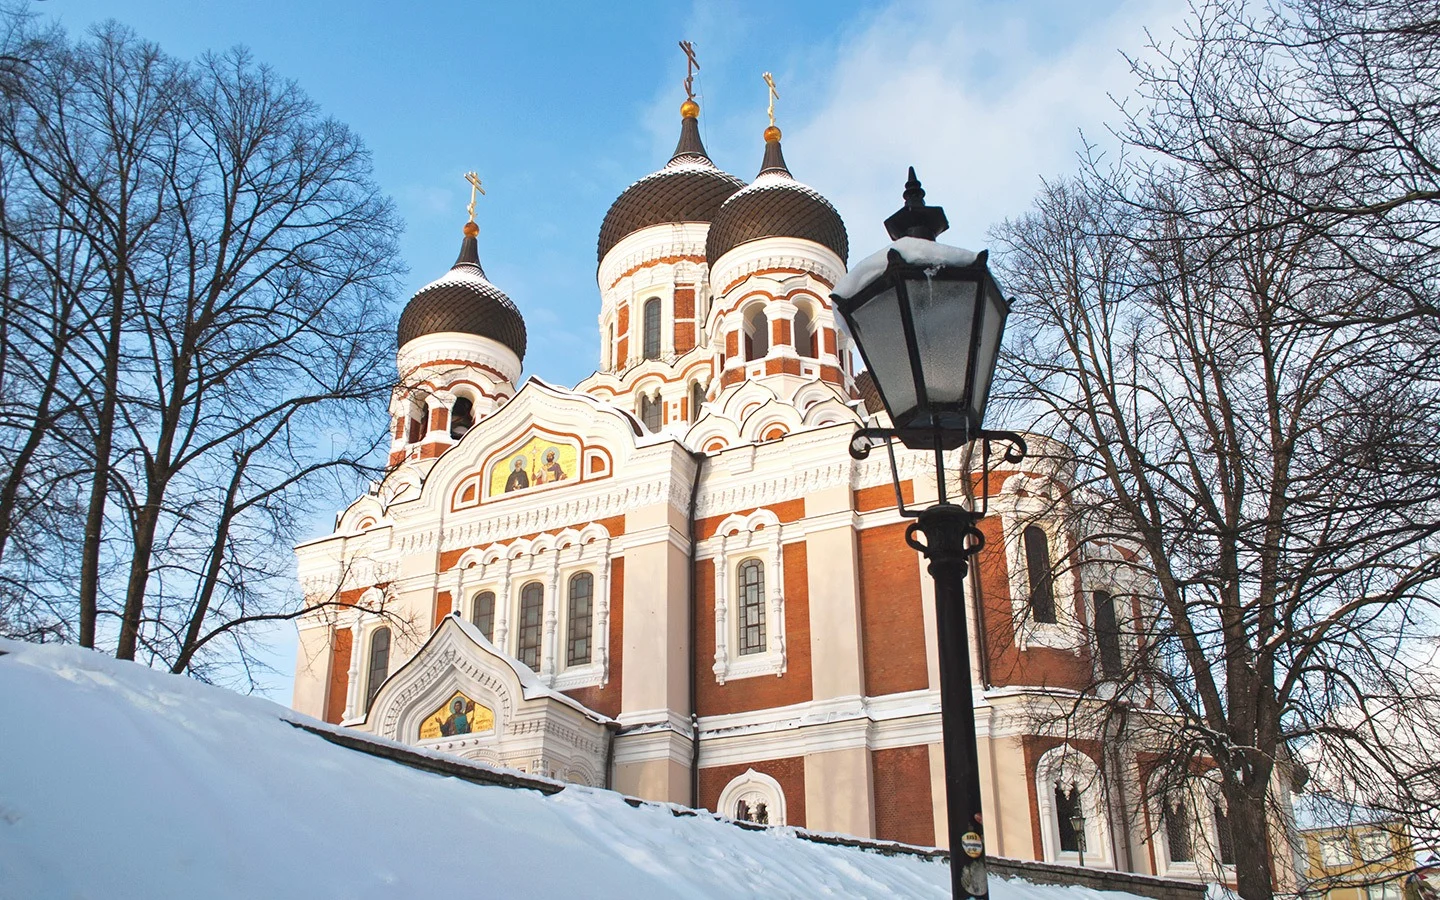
(118, 779)
(915, 251)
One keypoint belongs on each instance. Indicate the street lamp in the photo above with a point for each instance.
(1077, 827)
(927, 319)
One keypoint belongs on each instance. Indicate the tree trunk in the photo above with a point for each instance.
(100, 479)
(1251, 841)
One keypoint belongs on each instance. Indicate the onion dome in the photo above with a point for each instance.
(689, 189)
(464, 300)
(775, 205)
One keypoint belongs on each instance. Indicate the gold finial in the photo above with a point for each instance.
(474, 186)
(774, 95)
(692, 65)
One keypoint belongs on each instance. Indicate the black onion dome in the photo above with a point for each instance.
(689, 189)
(464, 300)
(775, 205)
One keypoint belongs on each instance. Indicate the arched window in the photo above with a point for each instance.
(1107, 635)
(804, 331)
(532, 606)
(697, 399)
(1177, 830)
(650, 411)
(1068, 812)
(482, 613)
(652, 328)
(757, 333)
(753, 797)
(752, 607)
(1037, 562)
(582, 619)
(610, 345)
(462, 417)
(379, 663)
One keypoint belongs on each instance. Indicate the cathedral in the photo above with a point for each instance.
(673, 580)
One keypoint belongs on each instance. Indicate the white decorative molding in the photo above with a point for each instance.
(1073, 770)
(739, 538)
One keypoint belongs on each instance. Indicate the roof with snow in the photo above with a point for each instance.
(118, 775)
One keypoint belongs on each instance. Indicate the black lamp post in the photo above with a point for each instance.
(1077, 826)
(927, 319)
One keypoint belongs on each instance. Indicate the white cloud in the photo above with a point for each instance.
(976, 103)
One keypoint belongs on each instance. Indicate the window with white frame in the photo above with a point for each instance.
(1042, 592)
(581, 622)
(1335, 851)
(1390, 890)
(1074, 822)
(379, 668)
(749, 602)
(751, 605)
(1375, 847)
(753, 797)
(651, 328)
(482, 613)
(530, 624)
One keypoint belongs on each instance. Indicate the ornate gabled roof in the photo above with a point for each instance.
(689, 189)
(775, 205)
(464, 300)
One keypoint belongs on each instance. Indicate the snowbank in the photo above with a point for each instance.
(119, 781)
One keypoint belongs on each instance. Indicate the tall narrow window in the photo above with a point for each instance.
(1107, 635)
(804, 335)
(482, 613)
(652, 328)
(532, 606)
(379, 663)
(1224, 839)
(1037, 562)
(650, 411)
(1177, 831)
(1067, 808)
(752, 607)
(610, 345)
(462, 417)
(697, 399)
(582, 619)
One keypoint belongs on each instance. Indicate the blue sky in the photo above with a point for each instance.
(560, 106)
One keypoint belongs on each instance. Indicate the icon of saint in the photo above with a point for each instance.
(459, 721)
(552, 469)
(518, 479)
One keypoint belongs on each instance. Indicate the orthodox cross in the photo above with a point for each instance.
(692, 65)
(774, 95)
(474, 186)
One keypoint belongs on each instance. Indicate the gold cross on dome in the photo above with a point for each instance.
(774, 95)
(474, 186)
(692, 65)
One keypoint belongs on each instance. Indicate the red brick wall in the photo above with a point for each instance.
(787, 511)
(443, 605)
(789, 772)
(891, 618)
(340, 641)
(882, 496)
(904, 808)
(760, 691)
(684, 319)
(606, 700)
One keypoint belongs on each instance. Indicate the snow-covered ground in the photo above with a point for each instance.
(117, 781)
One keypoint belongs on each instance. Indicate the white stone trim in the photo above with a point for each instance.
(754, 786)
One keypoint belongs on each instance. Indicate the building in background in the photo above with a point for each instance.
(672, 579)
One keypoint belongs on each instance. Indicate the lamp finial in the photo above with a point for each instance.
(915, 219)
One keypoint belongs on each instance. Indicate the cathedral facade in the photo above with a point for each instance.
(673, 580)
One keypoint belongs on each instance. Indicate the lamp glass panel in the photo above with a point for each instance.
(943, 313)
(880, 333)
(987, 348)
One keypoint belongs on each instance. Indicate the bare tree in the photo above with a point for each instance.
(1249, 407)
(229, 264)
